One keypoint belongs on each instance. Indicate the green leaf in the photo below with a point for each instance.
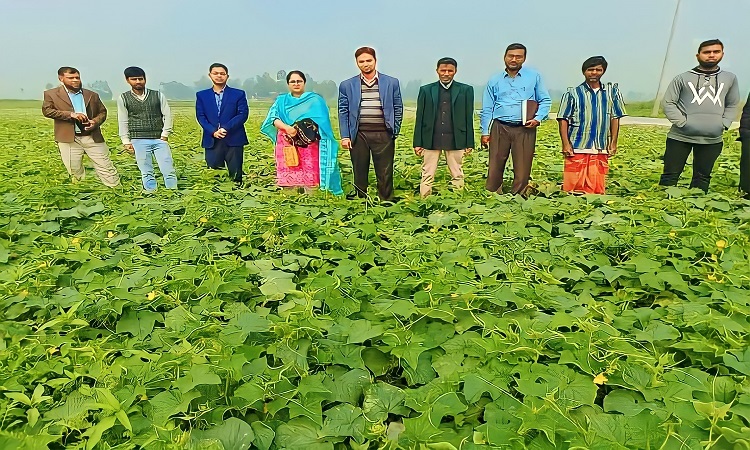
(375, 360)
(264, 435)
(627, 402)
(658, 331)
(251, 392)
(490, 267)
(198, 374)
(234, 434)
(95, 433)
(382, 399)
(168, 403)
(140, 324)
(446, 405)
(277, 284)
(343, 421)
(300, 433)
(739, 361)
(420, 429)
(19, 397)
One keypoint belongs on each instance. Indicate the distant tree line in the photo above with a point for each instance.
(264, 86)
(267, 86)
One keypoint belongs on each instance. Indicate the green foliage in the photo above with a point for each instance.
(216, 318)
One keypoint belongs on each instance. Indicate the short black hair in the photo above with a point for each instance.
(709, 43)
(298, 72)
(516, 46)
(365, 50)
(593, 62)
(65, 69)
(447, 60)
(134, 72)
(215, 65)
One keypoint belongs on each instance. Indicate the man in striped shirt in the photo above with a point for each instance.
(589, 122)
(370, 113)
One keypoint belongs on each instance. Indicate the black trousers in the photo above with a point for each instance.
(222, 155)
(382, 148)
(745, 165)
(676, 155)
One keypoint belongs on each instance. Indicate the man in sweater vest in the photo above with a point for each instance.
(145, 125)
(701, 104)
(370, 113)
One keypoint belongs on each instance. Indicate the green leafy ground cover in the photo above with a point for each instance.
(219, 318)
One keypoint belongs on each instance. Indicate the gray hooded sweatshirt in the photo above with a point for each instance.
(701, 105)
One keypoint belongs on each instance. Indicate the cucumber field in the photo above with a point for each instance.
(213, 317)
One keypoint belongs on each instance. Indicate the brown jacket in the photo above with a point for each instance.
(57, 106)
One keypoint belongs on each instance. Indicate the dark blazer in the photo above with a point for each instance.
(462, 97)
(745, 119)
(57, 106)
(232, 117)
(350, 97)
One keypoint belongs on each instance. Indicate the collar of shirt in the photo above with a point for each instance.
(370, 82)
(140, 96)
(221, 92)
(446, 86)
(589, 88)
(518, 74)
(80, 91)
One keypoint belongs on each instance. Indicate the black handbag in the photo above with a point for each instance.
(307, 133)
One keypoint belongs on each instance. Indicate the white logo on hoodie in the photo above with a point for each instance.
(711, 93)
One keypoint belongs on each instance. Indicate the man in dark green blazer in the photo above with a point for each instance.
(445, 124)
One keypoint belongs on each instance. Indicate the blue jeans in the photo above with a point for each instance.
(145, 152)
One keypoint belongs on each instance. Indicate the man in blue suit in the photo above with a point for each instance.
(370, 113)
(222, 112)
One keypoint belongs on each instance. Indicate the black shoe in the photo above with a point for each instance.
(354, 196)
(391, 202)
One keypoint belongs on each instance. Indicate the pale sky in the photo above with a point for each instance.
(176, 40)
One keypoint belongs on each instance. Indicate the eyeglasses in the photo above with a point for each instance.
(296, 81)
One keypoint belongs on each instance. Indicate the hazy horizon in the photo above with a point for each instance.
(177, 40)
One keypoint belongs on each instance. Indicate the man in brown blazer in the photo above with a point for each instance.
(78, 114)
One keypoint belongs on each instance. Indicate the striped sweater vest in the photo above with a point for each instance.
(371, 117)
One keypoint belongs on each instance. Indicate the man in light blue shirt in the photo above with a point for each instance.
(507, 126)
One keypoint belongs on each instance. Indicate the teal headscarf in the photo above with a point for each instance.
(309, 105)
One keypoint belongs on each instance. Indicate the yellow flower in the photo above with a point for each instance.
(43, 265)
(203, 220)
(75, 241)
(600, 379)
(52, 350)
(714, 258)
(24, 292)
(270, 218)
(151, 295)
(721, 244)
(243, 239)
(610, 202)
(711, 277)
(673, 234)
(111, 234)
(433, 230)
(143, 397)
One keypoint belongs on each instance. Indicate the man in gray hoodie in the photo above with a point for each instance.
(701, 104)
